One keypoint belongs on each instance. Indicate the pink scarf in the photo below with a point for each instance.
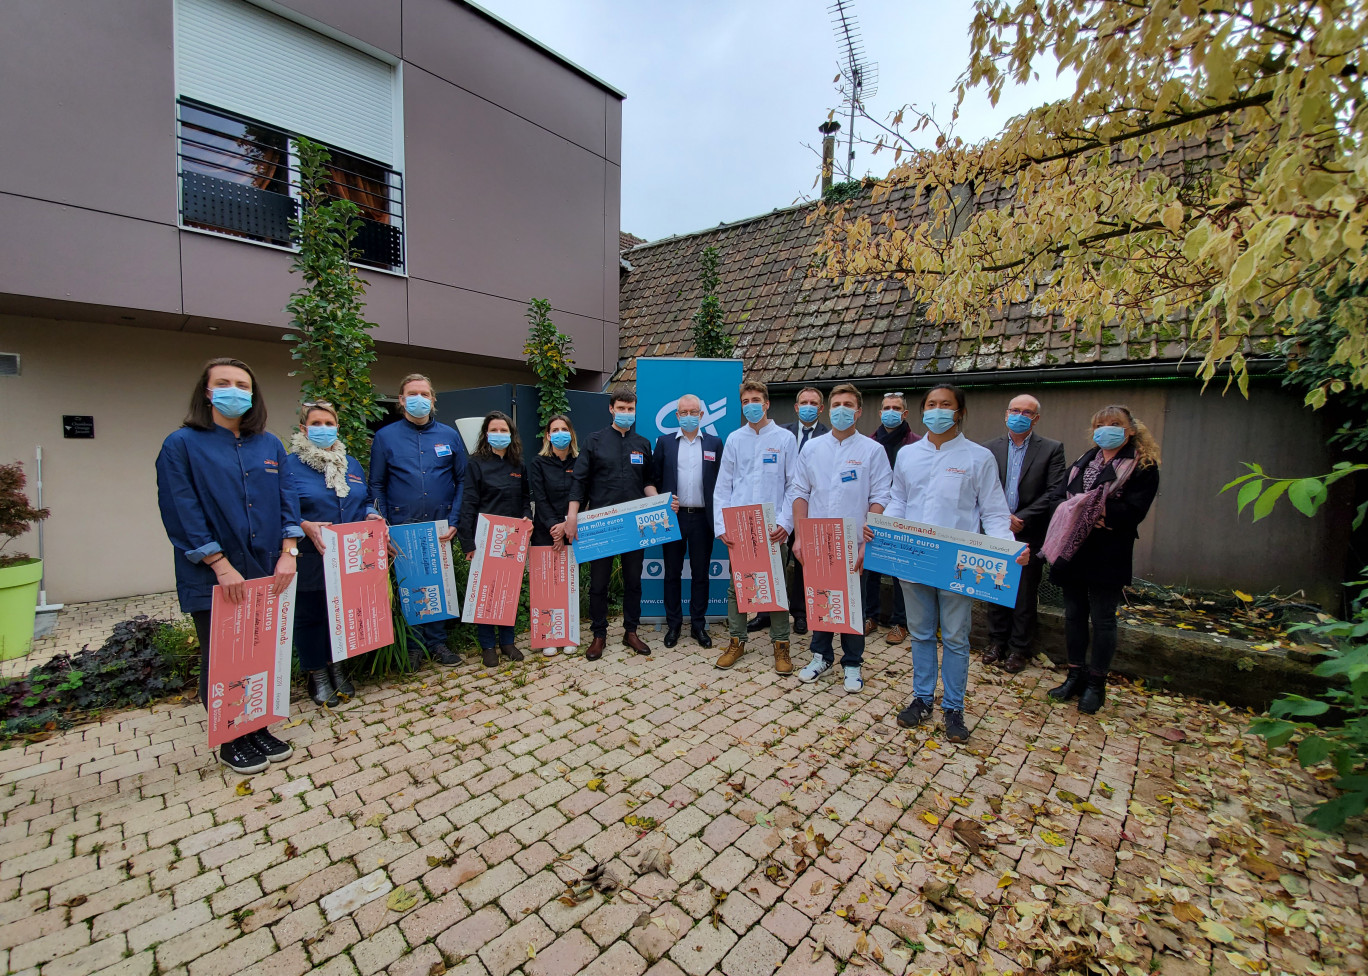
(1077, 515)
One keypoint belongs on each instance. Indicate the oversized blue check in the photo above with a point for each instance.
(615, 529)
(424, 572)
(977, 566)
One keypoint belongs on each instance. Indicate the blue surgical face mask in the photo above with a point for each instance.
(230, 401)
(807, 412)
(498, 441)
(624, 420)
(891, 418)
(843, 418)
(324, 437)
(1018, 423)
(688, 422)
(752, 412)
(1109, 438)
(938, 419)
(417, 406)
(560, 439)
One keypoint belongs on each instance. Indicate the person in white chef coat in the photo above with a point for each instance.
(944, 479)
(758, 463)
(843, 474)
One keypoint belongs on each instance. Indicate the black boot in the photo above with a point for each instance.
(1094, 695)
(339, 680)
(1073, 684)
(321, 688)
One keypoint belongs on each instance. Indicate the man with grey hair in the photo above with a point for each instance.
(686, 465)
(1032, 471)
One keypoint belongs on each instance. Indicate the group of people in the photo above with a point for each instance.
(236, 506)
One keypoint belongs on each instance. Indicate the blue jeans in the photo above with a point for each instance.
(852, 648)
(927, 609)
(491, 635)
(432, 634)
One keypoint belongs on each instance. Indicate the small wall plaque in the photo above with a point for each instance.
(78, 428)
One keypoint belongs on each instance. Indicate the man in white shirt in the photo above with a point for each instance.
(686, 465)
(757, 466)
(843, 474)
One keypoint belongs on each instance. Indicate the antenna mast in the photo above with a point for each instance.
(859, 75)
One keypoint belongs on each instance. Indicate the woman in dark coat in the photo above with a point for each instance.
(551, 473)
(1093, 577)
(496, 483)
(332, 490)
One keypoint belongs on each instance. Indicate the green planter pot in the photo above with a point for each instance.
(18, 604)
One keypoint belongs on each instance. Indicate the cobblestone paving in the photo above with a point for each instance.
(79, 624)
(445, 824)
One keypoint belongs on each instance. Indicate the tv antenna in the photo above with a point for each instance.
(859, 78)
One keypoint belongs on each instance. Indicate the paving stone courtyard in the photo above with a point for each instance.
(656, 815)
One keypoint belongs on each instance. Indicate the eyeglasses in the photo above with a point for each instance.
(1025, 411)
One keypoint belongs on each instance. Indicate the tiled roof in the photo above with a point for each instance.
(791, 326)
(627, 241)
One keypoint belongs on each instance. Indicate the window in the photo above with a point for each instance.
(248, 83)
(238, 177)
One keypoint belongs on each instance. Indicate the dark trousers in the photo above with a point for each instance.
(852, 647)
(873, 584)
(797, 599)
(1015, 627)
(696, 531)
(600, 571)
(1084, 603)
(491, 634)
(433, 633)
(202, 630)
(311, 641)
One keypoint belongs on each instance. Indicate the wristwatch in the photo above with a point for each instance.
(292, 551)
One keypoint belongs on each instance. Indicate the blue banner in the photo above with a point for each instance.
(633, 525)
(660, 384)
(424, 573)
(973, 565)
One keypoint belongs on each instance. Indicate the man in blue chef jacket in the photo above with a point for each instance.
(417, 472)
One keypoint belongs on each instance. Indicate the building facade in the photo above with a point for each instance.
(150, 151)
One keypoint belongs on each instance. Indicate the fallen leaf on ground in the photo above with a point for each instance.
(244, 788)
(970, 834)
(401, 900)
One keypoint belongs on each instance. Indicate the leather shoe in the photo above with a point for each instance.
(800, 625)
(1016, 663)
(700, 634)
(672, 637)
(595, 649)
(871, 626)
(994, 655)
(630, 639)
(761, 622)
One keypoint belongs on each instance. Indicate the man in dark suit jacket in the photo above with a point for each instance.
(808, 406)
(1032, 471)
(686, 465)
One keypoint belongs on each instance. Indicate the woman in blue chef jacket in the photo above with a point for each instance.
(231, 516)
(332, 489)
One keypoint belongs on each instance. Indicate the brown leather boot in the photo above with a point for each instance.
(630, 639)
(994, 654)
(595, 649)
(732, 654)
(782, 664)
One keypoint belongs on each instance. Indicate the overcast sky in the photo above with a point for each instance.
(724, 96)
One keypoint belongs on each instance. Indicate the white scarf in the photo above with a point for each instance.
(330, 462)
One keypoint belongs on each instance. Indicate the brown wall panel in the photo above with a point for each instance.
(455, 43)
(227, 280)
(374, 22)
(506, 208)
(444, 317)
(78, 255)
(88, 112)
(612, 240)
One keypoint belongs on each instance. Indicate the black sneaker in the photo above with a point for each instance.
(269, 746)
(916, 712)
(955, 729)
(444, 655)
(491, 657)
(242, 757)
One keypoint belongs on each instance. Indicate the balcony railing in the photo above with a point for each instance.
(240, 177)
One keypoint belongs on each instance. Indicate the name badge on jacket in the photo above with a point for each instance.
(709, 455)
(770, 457)
(850, 475)
(442, 450)
(638, 458)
